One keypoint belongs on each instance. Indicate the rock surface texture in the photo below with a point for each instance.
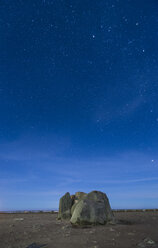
(86, 209)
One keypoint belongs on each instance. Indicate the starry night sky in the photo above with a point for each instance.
(78, 101)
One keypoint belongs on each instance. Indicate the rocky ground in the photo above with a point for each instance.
(35, 230)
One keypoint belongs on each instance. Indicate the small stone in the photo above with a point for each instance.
(94, 241)
(112, 230)
(18, 219)
(118, 234)
(58, 222)
(131, 234)
(12, 225)
(147, 242)
(66, 235)
(65, 227)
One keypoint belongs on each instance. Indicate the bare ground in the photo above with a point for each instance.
(35, 230)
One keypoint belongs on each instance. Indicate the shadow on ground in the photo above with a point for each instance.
(34, 245)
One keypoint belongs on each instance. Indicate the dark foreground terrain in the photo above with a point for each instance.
(35, 230)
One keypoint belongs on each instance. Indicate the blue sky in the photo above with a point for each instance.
(78, 101)
(35, 177)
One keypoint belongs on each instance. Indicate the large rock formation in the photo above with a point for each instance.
(77, 197)
(92, 209)
(100, 197)
(82, 208)
(65, 205)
